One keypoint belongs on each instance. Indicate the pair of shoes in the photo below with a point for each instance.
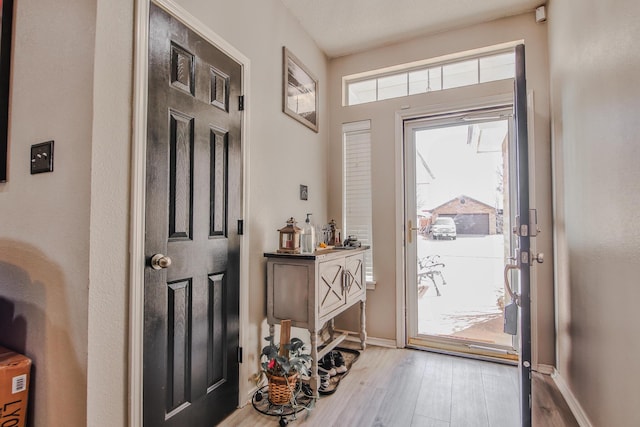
(338, 362)
(332, 363)
(326, 364)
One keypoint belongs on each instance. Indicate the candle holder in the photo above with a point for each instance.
(289, 242)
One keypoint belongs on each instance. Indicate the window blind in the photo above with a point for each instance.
(357, 215)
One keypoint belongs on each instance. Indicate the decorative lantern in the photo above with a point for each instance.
(334, 234)
(290, 238)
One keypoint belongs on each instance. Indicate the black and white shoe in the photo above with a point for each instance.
(338, 362)
(325, 384)
(327, 365)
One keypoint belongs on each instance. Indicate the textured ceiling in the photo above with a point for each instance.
(341, 27)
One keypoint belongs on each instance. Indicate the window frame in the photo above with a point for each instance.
(431, 64)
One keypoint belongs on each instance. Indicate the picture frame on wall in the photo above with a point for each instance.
(6, 8)
(300, 91)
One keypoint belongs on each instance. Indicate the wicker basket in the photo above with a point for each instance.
(281, 388)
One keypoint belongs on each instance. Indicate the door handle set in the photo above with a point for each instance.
(530, 230)
(539, 257)
(159, 261)
(515, 297)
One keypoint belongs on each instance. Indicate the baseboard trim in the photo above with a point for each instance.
(249, 397)
(545, 369)
(382, 342)
(379, 342)
(574, 405)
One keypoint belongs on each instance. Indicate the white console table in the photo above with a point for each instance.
(311, 289)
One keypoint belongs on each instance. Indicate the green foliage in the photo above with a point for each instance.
(274, 364)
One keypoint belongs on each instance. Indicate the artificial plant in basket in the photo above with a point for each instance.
(282, 366)
(284, 363)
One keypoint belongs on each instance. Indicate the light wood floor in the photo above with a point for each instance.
(397, 388)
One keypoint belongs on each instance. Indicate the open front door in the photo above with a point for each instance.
(522, 230)
(467, 214)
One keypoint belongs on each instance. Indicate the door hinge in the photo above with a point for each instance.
(240, 227)
(239, 354)
(241, 103)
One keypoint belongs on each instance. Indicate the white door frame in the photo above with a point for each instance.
(138, 171)
(505, 95)
(428, 122)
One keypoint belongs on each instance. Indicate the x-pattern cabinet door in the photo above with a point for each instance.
(354, 278)
(330, 286)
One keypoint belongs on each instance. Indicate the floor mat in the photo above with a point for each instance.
(350, 356)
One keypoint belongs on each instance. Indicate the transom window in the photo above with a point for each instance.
(414, 79)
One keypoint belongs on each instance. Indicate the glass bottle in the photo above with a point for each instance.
(308, 236)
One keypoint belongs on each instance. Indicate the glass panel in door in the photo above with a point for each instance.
(461, 201)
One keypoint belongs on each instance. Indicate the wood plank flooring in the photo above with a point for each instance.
(550, 408)
(401, 387)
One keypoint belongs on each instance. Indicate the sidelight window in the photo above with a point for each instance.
(357, 217)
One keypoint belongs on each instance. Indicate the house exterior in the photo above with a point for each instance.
(66, 236)
(470, 215)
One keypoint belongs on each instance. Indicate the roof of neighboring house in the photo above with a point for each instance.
(462, 196)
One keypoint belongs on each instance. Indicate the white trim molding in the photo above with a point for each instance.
(382, 342)
(138, 171)
(401, 301)
(378, 342)
(544, 369)
(503, 94)
(574, 405)
(534, 287)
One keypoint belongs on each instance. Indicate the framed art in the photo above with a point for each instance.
(300, 91)
(6, 9)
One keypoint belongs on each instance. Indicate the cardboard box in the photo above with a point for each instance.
(15, 370)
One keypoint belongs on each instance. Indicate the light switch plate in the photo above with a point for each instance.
(42, 157)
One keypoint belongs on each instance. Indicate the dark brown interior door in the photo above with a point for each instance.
(193, 186)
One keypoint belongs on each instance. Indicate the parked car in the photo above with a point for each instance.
(443, 228)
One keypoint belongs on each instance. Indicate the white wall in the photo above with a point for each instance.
(381, 302)
(44, 231)
(595, 82)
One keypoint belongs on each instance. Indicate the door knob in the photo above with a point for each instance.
(514, 296)
(538, 257)
(159, 261)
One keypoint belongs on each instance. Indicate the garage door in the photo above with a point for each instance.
(472, 223)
